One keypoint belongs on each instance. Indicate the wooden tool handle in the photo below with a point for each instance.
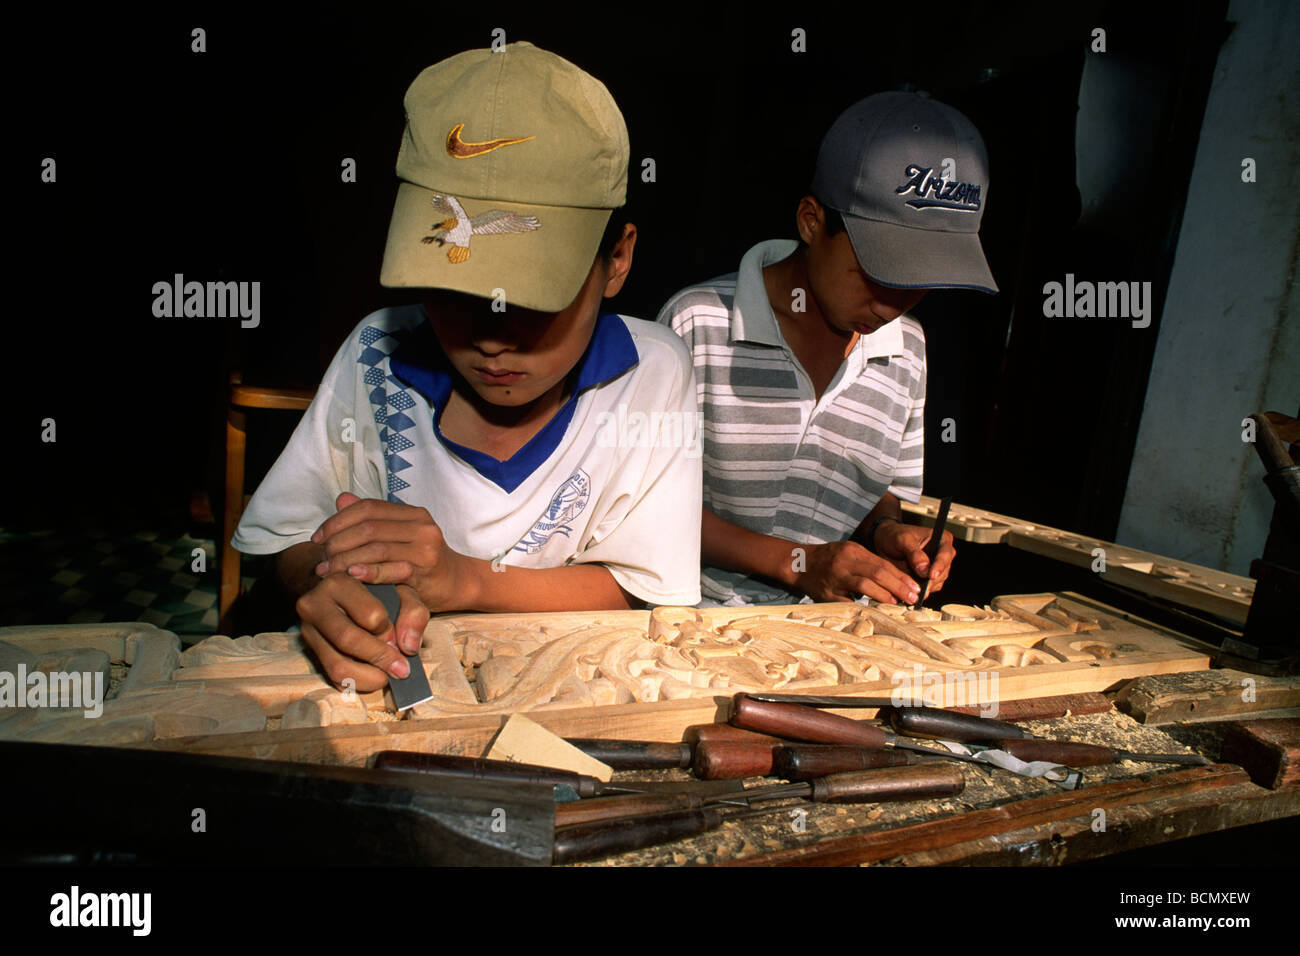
(795, 722)
(474, 768)
(590, 840)
(635, 754)
(948, 725)
(614, 808)
(1068, 752)
(805, 761)
(699, 733)
(890, 784)
(732, 759)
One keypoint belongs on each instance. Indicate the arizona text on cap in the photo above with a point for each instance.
(909, 175)
(510, 165)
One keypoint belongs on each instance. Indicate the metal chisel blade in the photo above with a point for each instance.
(414, 688)
(935, 543)
(1188, 760)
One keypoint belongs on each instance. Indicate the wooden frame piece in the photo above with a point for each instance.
(1180, 582)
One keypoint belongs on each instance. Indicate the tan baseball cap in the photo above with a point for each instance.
(510, 165)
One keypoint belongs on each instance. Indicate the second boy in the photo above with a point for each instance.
(811, 374)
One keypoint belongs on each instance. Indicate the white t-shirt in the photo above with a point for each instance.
(613, 479)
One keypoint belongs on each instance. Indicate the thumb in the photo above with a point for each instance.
(411, 620)
(344, 500)
(919, 561)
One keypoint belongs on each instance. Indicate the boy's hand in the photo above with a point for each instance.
(382, 542)
(842, 570)
(348, 629)
(904, 545)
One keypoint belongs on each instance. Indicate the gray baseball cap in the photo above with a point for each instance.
(909, 175)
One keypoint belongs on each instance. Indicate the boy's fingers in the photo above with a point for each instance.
(366, 509)
(373, 552)
(362, 646)
(873, 590)
(370, 531)
(944, 559)
(337, 667)
(345, 499)
(387, 572)
(892, 580)
(411, 620)
(355, 623)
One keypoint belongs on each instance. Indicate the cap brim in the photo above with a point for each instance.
(906, 258)
(541, 266)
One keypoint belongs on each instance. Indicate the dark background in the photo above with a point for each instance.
(225, 166)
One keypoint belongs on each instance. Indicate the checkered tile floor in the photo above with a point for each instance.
(59, 577)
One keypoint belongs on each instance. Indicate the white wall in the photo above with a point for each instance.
(1229, 340)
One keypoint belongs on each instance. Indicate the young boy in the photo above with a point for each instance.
(465, 442)
(811, 374)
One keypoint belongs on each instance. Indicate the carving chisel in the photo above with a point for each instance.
(845, 787)
(913, 719)
(589, 840)
(934, 544)
(730, 759)
(1076, 754)
(414, 687)
(507, 771)
(635, 754)
(815, 726)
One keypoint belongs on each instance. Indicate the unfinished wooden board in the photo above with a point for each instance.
(649, 675)
(837, 641)
(1269, 750)
(568, 660)
(1169, 697)
(1181, 582)
(232, 687)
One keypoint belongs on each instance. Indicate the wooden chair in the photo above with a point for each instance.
(243, 397)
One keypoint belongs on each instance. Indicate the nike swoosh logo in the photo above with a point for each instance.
(462, 150)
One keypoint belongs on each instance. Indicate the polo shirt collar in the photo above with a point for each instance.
(882, 343)
(752, 318)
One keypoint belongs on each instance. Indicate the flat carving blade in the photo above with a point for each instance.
(934, 544)
(414, 688)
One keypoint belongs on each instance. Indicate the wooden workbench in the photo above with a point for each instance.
(1002, 819)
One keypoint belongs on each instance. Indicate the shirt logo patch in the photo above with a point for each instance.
(461, 149)
(935, 192)
(458, 227)
(568, 502)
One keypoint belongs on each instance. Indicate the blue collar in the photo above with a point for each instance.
(419, 362)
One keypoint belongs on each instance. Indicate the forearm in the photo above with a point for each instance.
(295, 567)
(574, 587)
(727, 545)
(887, 507)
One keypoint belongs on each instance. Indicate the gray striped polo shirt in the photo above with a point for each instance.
(776, 460)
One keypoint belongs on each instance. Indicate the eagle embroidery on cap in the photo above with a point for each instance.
(458, 229)
(461, 149)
